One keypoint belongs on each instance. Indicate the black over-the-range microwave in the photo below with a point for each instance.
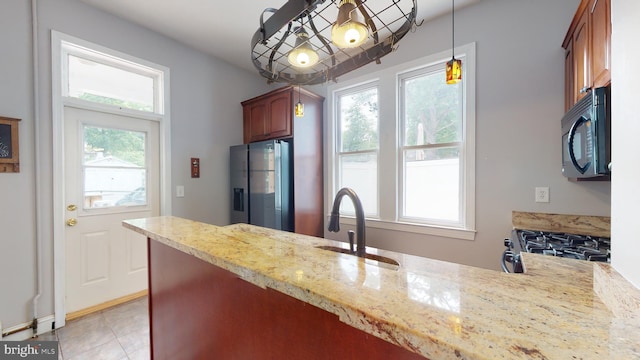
(586, 136)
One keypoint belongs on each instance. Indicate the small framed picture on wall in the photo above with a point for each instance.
(9, 148)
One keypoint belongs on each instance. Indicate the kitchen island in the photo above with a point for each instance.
(424, 307)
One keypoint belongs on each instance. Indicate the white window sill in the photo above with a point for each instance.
(455, 233)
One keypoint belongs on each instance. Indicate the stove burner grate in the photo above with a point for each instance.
(582, 247)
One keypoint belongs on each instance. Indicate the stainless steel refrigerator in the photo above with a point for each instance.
(261, 184)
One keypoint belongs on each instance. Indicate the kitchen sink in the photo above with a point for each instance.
(379, 258)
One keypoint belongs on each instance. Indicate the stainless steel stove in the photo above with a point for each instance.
(574, 246)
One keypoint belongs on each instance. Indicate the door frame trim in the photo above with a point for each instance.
(58, 104)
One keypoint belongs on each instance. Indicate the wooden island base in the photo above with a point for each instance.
(200, 311)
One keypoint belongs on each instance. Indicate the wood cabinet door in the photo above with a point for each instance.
(280, 110)
(600, 25)
(581, 57)
(257, 121)
(569, 87)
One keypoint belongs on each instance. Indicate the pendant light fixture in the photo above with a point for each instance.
(302, 55)
(339, 36)
(299, 108)
(349, 30)
(454, 66)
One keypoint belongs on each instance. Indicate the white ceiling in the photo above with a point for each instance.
(222, 28)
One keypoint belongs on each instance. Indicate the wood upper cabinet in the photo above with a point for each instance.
(267, 117)
(270, 116)
(600, 20)
(588, 50)
(581, 57)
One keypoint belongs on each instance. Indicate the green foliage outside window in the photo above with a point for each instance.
(116, 102)
(433, 107)
(359, 121)
(121, 144)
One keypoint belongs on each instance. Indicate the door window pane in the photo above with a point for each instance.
(97, 82)
(114, 167)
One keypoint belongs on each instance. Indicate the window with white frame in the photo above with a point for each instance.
(357, 151)
(101, 78)
(421, 175)
(430, 123)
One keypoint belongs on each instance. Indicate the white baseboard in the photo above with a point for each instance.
(44, 326)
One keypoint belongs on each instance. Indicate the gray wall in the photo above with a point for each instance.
(206, 119)
(520, 100)
(17, 198)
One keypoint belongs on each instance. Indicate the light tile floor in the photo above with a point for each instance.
(117, 333)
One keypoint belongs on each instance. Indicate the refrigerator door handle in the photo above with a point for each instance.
(238, 199)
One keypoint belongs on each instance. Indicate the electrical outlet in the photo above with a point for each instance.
(542, 194)
(179, 191)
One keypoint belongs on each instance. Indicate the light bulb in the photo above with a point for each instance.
(302, 58)
(352, 36)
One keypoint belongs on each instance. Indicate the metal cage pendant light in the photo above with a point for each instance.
(454, 66)
(330, 38)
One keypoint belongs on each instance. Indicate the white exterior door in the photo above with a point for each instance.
(111, 174)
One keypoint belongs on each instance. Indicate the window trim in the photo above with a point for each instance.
(391, 76)
(111, 58)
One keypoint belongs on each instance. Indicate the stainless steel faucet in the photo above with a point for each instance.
(334, 221)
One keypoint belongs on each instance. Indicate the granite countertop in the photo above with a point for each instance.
(573, 224)
(558, 309)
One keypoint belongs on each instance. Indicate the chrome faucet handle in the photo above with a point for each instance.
(351, 233)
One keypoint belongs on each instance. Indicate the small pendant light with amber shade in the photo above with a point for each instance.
(454, 66)
(299, 108)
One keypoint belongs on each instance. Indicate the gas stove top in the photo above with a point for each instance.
(582, 247)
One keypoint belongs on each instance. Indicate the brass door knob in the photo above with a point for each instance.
(72, 222)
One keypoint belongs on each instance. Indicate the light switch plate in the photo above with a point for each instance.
(179, 191)
(542, 194)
